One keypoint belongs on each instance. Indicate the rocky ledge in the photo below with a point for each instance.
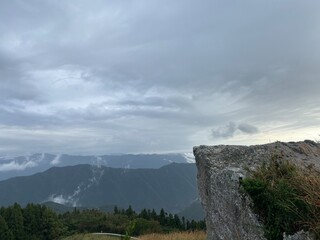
(220, 170)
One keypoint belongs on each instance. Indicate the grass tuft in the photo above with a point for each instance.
(176, 236)
(197, 235)
(286, 197)
(90, 236)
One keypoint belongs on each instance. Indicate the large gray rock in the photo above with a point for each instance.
(301, 235)
(220, 170)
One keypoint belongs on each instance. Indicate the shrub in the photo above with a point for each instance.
(286, 197)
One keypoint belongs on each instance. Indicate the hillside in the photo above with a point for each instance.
(172, 187)
(193, 212)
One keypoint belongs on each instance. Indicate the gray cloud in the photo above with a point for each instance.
(226, 131)
(16, 166)
(231, 128)
(141, 76)
(247, 128)
(21, 165)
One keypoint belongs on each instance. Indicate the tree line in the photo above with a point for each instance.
(37, 222)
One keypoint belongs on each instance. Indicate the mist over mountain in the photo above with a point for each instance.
(172, 187)
(31, 164)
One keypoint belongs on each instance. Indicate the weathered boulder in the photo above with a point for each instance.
(220, 170)
(301, 235)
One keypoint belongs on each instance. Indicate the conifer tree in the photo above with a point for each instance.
(14, 218)
(5, 233)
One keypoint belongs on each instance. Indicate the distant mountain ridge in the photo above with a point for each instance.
(172, 187)
(39, 162)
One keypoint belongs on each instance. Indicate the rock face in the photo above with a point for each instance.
(220, 170)
(302, 235)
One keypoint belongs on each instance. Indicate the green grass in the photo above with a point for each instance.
(200, 235)
(286, 197)
(90, 236)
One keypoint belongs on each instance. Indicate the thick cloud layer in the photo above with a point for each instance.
(98, 77)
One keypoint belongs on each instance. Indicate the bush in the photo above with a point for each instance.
(287, 198)
(143, 226)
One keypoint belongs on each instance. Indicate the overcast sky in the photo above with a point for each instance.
(122, 76)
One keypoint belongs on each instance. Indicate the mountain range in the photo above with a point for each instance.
(172, 187)
(39, 162)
